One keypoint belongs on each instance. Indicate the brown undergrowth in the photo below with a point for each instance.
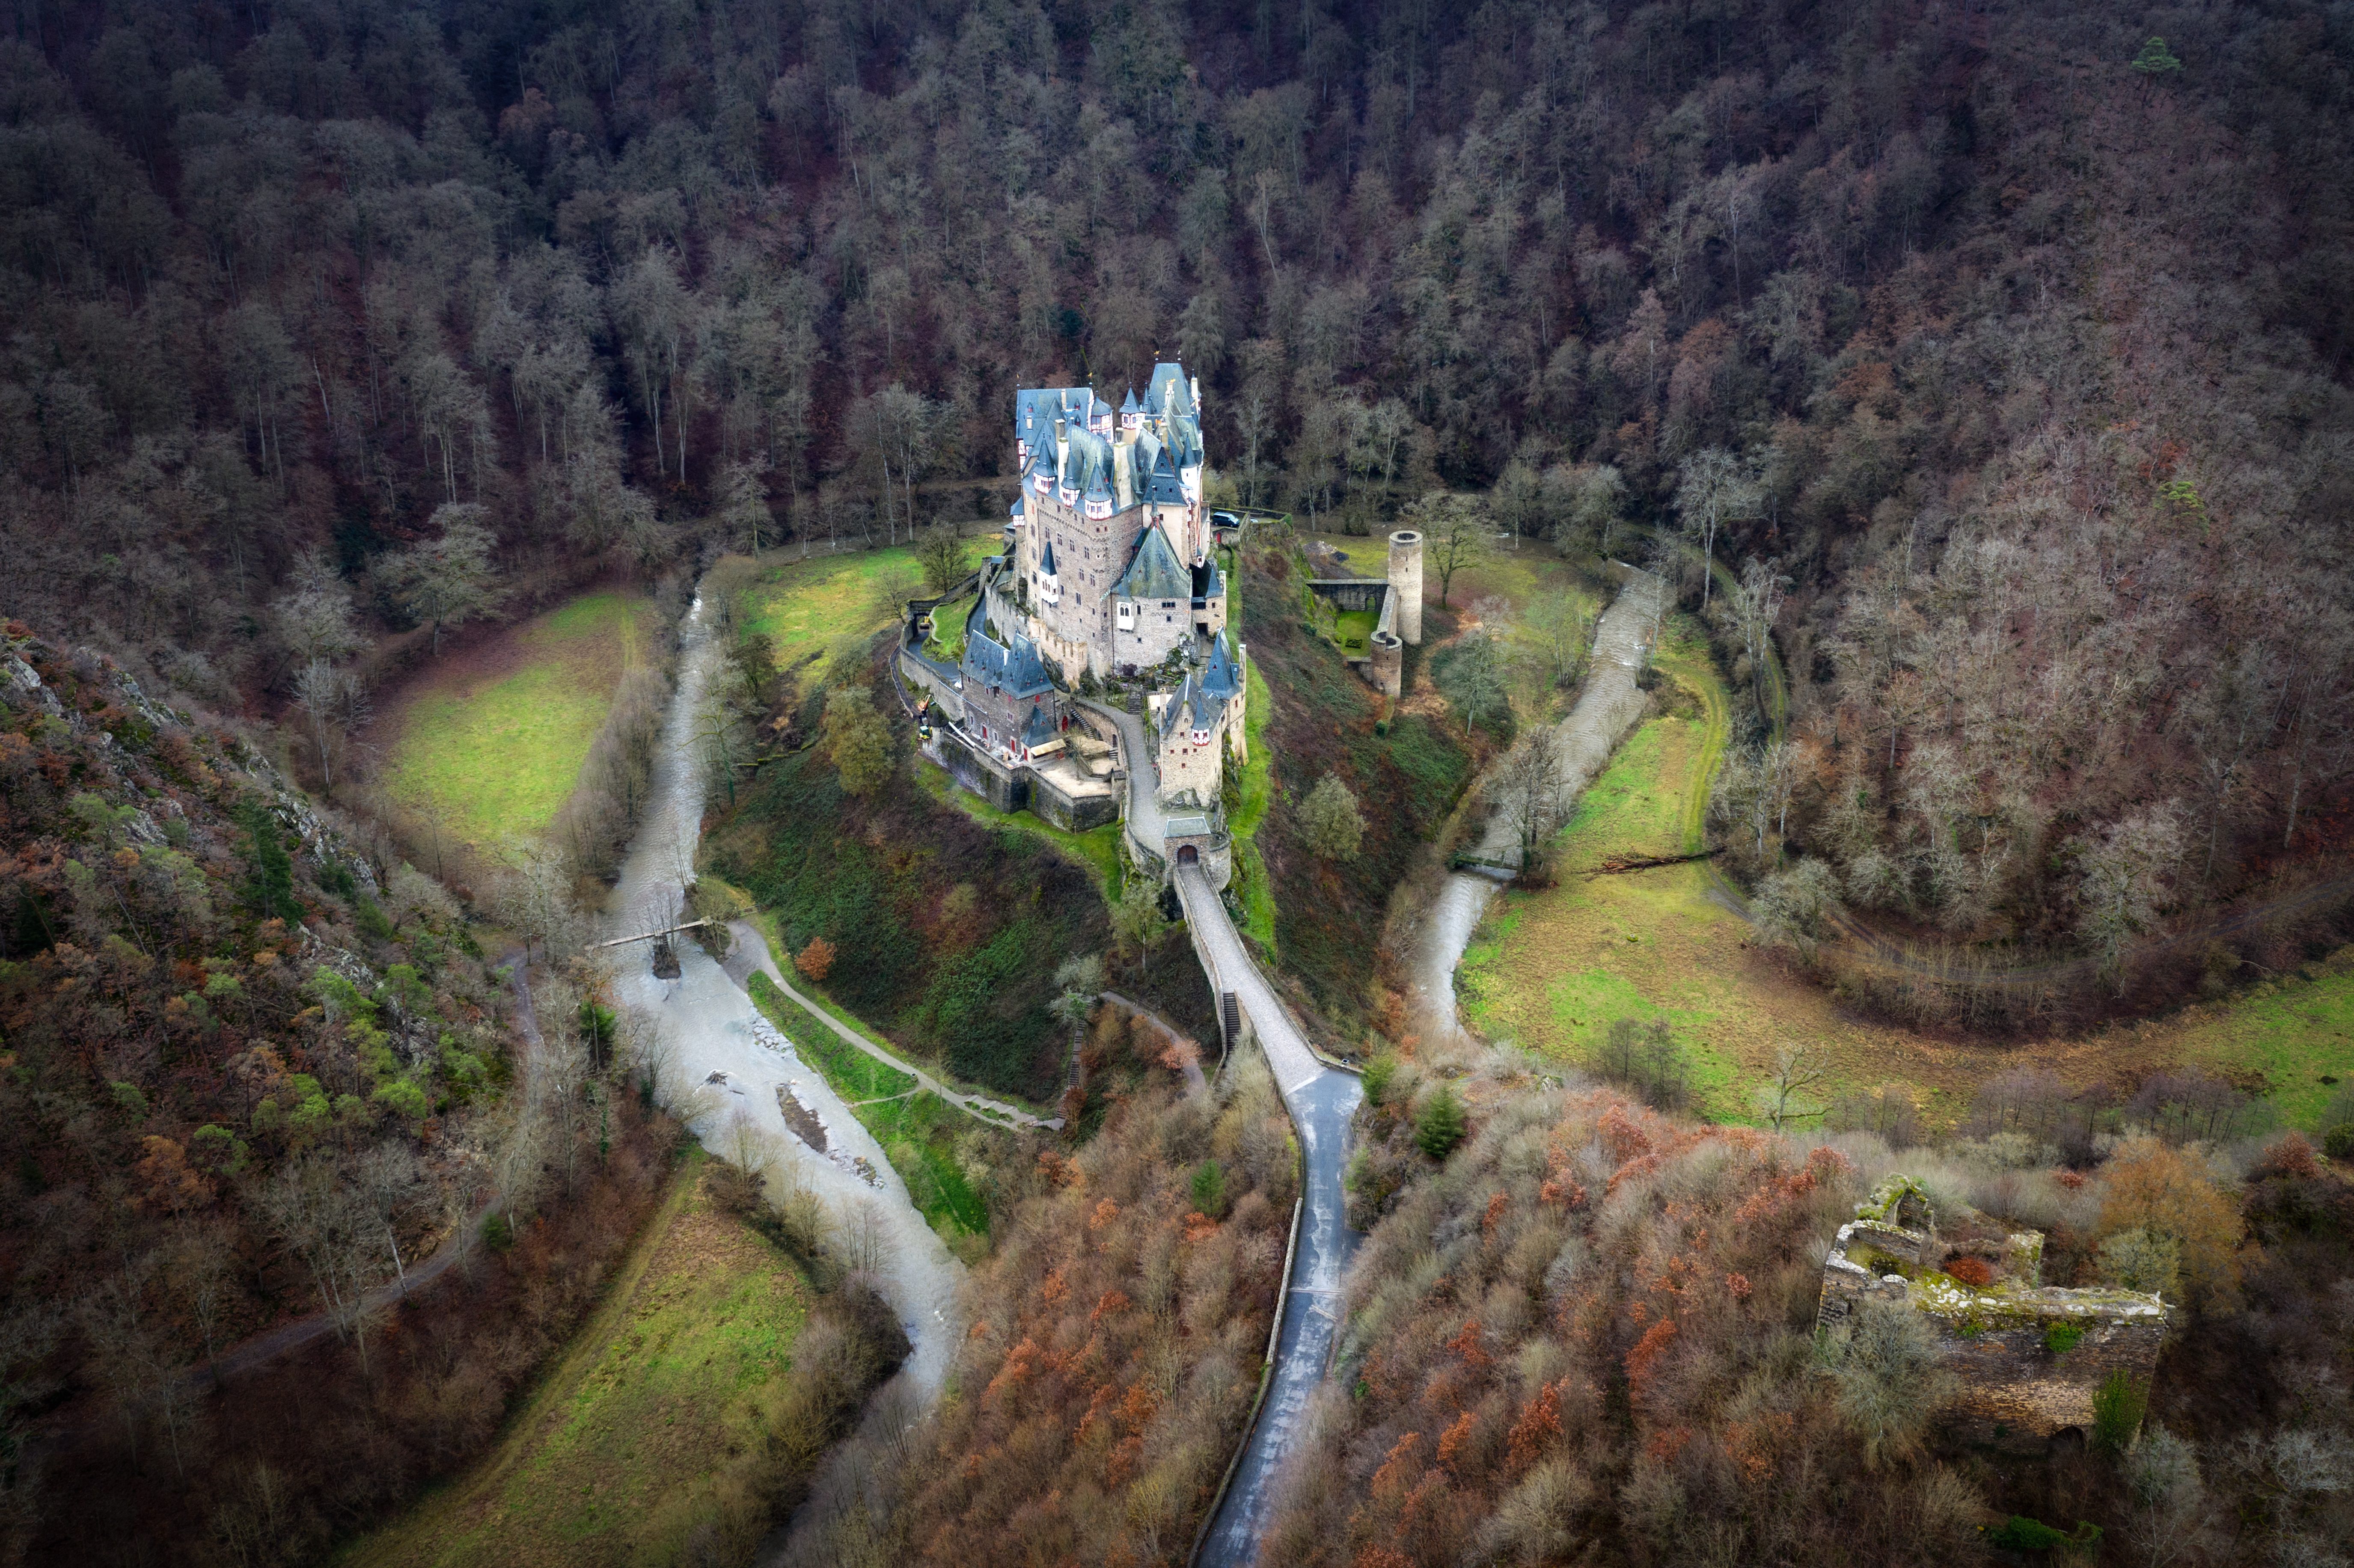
(1117, 1332)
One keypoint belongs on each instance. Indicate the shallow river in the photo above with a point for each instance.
(725, 1058)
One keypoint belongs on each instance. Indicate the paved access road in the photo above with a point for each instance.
(1148, 825)
(1322, 1100)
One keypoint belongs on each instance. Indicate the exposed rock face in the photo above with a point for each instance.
(2031, 1357)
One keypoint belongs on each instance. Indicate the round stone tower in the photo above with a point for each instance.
(1405, 582)
(1389, 663)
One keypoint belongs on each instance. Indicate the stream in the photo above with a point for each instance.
(1606, 710)
(723, 1057)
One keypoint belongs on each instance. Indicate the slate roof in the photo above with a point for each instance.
(1171, 422)
(1088, 462)
(1191, 698)
(1041, 728)
(1220, 679)
(1012, 666)
(1046, 561)
(1162, 487)
(1154, 571)
(1209, 583)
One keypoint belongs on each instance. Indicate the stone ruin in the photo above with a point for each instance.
(2029, 1357)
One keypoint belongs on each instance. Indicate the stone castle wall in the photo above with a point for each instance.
(2029, 1358)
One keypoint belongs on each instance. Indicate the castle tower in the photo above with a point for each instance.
(1406, 583)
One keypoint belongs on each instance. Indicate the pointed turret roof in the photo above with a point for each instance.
(1154, 571)
(1012, 665)
(1128, 404)
(1220, 679)
(1192, 699)
(1046, 561)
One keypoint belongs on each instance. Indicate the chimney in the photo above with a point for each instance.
(1194, 387)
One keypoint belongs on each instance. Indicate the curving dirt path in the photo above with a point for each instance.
(751, 952)
(1606, 710)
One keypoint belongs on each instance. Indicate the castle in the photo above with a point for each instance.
(1107, 583)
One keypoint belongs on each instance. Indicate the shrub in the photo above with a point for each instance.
(2142, 1259)
(2118, 1407)
(1209, 1189)
(2154, 1187)
(1972, 1271)
(1440, 1126)
(816, 959)
(1891, 1382)
(1330, 821)
(2338, 1141)
(1379, 1072)
(2062, 1338)
(497, 1235)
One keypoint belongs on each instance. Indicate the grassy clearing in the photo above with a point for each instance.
(1552, 968)
(811, 605)
(489, 743)
(610, 1460)
(1353, 629)
(916, 1128)
(1258, 789)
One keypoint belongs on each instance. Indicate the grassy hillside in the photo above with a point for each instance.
(612, 1457)
(680, 1421)
(1552, 968)
(1322, 719)
(825, 602)
(489, 741)
(947, 929)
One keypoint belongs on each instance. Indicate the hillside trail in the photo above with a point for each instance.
(299, 1334)
(751, 952)
(722, 1059)
(1606, 710)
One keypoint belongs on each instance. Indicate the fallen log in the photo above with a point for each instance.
(1615, 865)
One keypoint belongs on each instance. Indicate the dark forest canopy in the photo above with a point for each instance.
(2014, 359)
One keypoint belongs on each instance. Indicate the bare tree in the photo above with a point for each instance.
(386, 1178)
(451, 579)
(1713, 488)
(1453, 535)
(321, 1217)
(2124, 889)
(333, 703)
(1790, 1093)
(1528, 791)
(1253, 423)
(1560, 637)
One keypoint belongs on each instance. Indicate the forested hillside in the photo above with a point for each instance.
(256, 1080)
(2009, 343)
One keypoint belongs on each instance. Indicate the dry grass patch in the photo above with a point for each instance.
(487, 743)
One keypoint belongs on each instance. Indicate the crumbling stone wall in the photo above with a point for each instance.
(2029, 1356)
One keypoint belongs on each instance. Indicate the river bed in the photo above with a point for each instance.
(724, 1058)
